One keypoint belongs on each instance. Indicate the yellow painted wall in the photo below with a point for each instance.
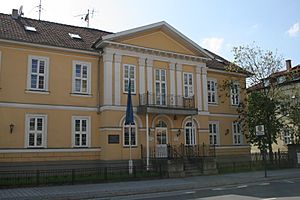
(158, 40)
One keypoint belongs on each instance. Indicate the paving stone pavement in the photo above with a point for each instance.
(85, 191)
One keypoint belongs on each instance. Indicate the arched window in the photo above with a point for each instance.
(126, 137)
(190, 134)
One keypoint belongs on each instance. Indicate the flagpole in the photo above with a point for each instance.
(130, 160)
(147, 142)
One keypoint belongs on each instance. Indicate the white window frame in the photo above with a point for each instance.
(212, 93)
(46, 73)
(43, 132)
(133, 89)
(188, 86)
(286, 137)
(235, 94)
(160, 95)
(193, 139)
(212, 133)
(88, 78)
(237, 136)
(133, 126)
(88, 131)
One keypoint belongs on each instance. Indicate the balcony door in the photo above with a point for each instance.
(161, 132)
(160, 87)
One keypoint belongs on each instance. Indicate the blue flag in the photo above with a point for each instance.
(129, 110)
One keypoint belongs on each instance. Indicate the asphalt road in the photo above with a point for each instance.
(272, 190)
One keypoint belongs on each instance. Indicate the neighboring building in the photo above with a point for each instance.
(63, 93)
(287, 84)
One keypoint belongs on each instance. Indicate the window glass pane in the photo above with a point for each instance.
(83, 125)
(42, 69)
(163, 75)
(126, 85)
(84, 71)
(132, 72)
(84, 85)
(157, 75)
(126, 72)
(185, 79)
(41, 82)
(83, 140)
(39, 139)
(77, 139)
(42, 64)
(77, 85)
(34, 65)
(78, 71)
(190, 79)
(31, 139)
(33, 81)
(39, 124)
(77, 125)
(32, 124)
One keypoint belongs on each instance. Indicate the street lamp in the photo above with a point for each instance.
(260, 132)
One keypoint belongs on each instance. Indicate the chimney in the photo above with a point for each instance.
(288, 64)
(15, 14)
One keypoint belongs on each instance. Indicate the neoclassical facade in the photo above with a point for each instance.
(64, 98)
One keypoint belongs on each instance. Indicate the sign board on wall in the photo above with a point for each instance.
(260, 130)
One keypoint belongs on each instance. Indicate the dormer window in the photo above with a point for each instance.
(74, 36)
(30, 28)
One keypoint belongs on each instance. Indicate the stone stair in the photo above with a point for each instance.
(192, 167)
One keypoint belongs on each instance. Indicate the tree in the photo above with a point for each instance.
(262, 104)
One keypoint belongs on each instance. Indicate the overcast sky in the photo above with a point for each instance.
(217, 25)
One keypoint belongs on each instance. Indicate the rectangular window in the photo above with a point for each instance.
(160, 87)
(235, 94)
(237, 133)
(35, 131)
(129, 73)
(37, 77)
(126, 138)
(286, 137)
(213, 133)
(212, 91)
(81, 81)
(81, 131)
(188, 85)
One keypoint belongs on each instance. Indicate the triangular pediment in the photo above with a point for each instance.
(159, 36)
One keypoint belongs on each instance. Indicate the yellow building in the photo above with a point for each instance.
(63, 93)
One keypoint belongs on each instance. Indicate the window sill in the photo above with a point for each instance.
(127, 147)
(132, 93)
(213, 104)
(80, 95)
(37, 91)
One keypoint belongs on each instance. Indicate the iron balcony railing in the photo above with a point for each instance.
(168, 101)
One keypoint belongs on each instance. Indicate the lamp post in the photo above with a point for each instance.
(260, 132)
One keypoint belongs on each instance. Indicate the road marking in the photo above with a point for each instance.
(264, 184)
(242, 186)
(217, 189)
(288, 181)
(269, 199)
(190, 192)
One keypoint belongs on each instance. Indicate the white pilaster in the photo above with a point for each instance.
(179, 79)
(118, 79)
(142, 81)
(199, 89)
(172, 82)
(107, 77)
(204, 85)
(149, 76)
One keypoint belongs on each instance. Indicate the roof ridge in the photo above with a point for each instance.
(36, 20)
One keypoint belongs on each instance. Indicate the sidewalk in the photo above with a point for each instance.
(139, 187)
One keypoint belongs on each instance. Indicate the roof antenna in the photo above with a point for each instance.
(20, 12)
(40, 9)
(86, 17)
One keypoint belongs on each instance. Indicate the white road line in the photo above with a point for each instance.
(269, 199)
(264, 184)
(288, 181)
(217, 189)
(242, 186)
(190, 192)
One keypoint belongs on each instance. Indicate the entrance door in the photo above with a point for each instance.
(161, 142)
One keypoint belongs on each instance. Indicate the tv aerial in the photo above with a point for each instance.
(87, 16)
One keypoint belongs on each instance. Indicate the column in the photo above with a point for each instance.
(204, 83)
(199, 89)
(107, 77)
(172, 83)
(142, 81)
(179, 84)
(118, 79)
(150, 79)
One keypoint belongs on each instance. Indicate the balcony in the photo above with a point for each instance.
(166, 104)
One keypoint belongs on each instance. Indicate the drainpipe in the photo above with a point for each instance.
(98, 81)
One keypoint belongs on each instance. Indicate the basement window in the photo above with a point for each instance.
(30, 28)
(74, 36)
